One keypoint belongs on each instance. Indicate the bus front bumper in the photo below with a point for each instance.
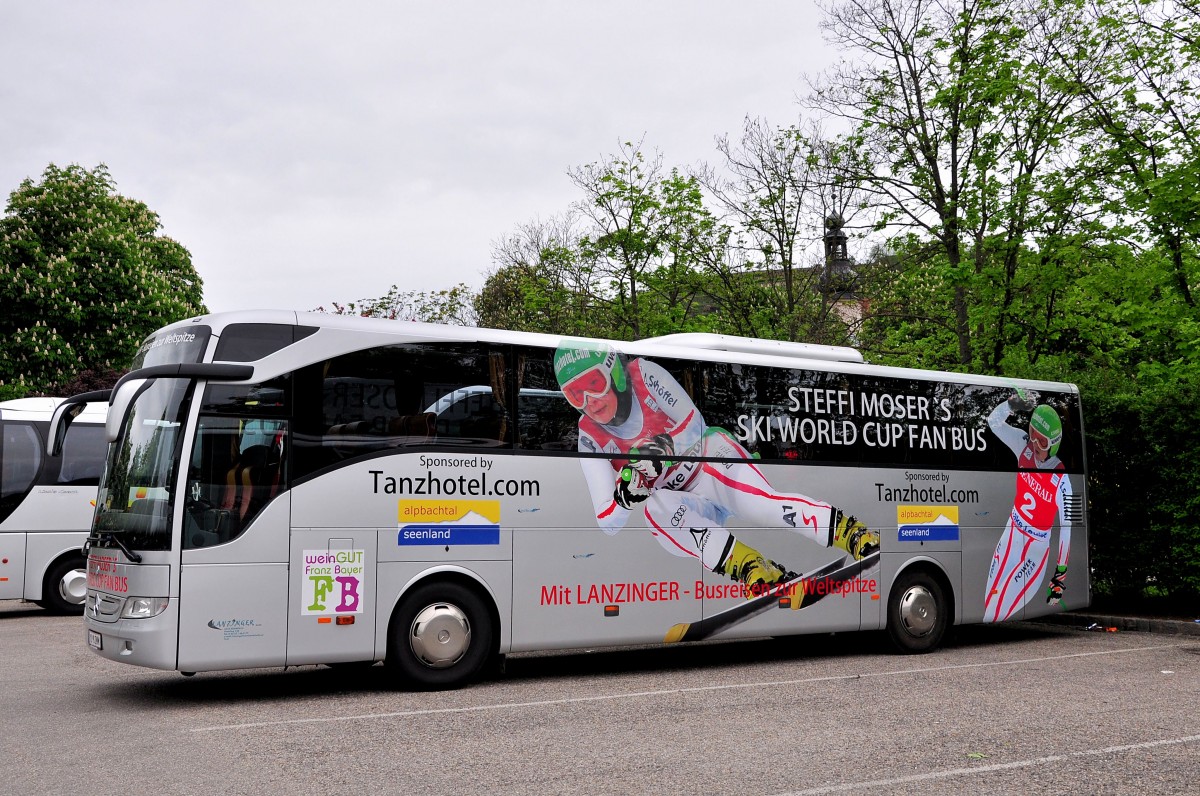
(150, 642)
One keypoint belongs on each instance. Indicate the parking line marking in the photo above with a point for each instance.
(665, 691)
(989, 769)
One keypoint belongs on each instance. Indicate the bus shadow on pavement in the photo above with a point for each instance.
(247, 686)
(267, 685)
(24, 611)
(729, 654)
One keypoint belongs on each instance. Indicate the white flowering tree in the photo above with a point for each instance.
(84, 277)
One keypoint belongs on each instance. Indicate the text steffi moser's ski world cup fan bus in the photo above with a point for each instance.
(287, 489)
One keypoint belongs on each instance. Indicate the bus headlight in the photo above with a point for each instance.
(143, 607)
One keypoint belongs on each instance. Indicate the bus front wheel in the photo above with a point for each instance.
(917, 612)
(64, 588)
(441, 635)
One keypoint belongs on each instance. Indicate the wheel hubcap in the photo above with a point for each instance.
(918, 610)
(73, 587)
(440, 635)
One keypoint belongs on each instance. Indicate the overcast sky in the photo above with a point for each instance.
(313, 152)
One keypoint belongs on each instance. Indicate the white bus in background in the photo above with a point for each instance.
(47, 502)
(292, 489)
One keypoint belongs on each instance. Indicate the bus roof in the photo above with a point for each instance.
(753, 345)
(692, 346)
(40, 409)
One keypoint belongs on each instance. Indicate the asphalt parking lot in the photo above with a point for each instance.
(1000, 709)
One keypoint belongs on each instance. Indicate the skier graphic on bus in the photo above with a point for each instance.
(1043, 492)
(638, 411)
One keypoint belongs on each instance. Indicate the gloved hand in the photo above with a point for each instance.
(1020, 401)
(631, 488)
(1058, 582)
(660, 445)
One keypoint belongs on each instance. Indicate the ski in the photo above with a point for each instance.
(816, 583)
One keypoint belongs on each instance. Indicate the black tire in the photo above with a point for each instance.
(917, 613)
(64, 588)
(441, 635)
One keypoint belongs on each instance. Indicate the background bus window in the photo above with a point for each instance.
(469, 412)
(545, 421)
(84, 450)
(382, 399)
(20, 461)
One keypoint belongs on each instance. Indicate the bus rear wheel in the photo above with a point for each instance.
(441, 635)
(65, 587)
(917, 612)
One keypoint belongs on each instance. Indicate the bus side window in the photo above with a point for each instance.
(414, 429)
(468, 389)
(390, 398)
(239, 459)
(545, 421)
(238, 465)
(470, 415)
(21, 455)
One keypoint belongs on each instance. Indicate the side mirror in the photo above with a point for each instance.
(65, 413)
(125, 393)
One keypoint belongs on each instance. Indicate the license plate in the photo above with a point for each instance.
(95, 641)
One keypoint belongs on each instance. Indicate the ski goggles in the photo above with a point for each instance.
(592, 382)
(1039, 441)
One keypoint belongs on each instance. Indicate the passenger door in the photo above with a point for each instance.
(236, 524)
(233, 597)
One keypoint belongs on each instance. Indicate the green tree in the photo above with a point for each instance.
(84, 277)
(540, 282)
(1144, 488)
(648, 241)
(453, 305)
(777, 186)
(1135, 66)
(958, 117)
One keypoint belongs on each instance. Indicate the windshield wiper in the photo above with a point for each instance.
(109, 536)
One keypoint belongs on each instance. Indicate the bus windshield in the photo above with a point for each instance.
(136, 490)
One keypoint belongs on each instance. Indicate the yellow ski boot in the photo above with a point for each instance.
(756, 572)
(852, 536)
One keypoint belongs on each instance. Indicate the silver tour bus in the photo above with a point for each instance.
(46, 502)
(288, 489)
